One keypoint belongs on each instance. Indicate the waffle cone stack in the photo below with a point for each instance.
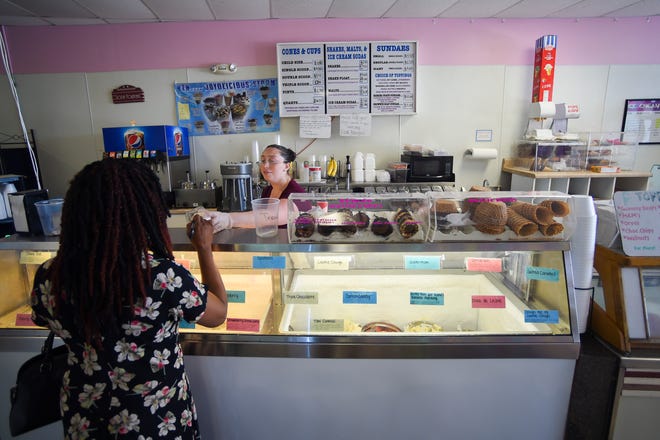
(519, 224)
(551, 229)
(536, 213)
(559, 208)
(490, 214)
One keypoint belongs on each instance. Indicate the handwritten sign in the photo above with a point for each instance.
(483, 264)
(333, 262)
(422, 262)
(301, 297)
(242, 325)
(359, 297)
(637, 216)
(266, 262)
(488, 302)
(427, 298)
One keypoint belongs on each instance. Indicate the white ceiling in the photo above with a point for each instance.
(98, 12)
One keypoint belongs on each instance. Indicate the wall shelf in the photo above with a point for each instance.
(598, 185)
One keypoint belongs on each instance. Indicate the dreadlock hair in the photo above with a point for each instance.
(114, 213)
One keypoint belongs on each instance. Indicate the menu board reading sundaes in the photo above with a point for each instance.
(393, 77)
(347, 78)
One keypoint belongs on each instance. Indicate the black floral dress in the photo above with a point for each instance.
(136, 386)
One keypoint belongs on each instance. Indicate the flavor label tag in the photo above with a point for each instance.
(484, 264)
(335, 262)
(266, 262)
(422, 262)
(542, 316)
(24, 320)
(427, 298)
(360, 297)
(301, 297)
(327, 325)
(488, 301)
(236, 296)
(185, 324)
(542, 273)
(35, 257)
(242, 325)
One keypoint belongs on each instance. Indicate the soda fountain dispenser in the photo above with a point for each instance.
(165, 148)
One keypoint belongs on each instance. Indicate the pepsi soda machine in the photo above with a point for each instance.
(165, 148)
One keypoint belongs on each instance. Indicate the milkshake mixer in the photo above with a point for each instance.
(236, 186)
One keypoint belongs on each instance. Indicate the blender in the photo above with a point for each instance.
(236, 186)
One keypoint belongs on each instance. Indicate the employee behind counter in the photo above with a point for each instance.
(274, 165)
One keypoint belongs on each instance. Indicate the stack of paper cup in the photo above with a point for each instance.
(357, 175)
(583, 243)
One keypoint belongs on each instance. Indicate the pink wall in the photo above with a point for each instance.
(252, 43)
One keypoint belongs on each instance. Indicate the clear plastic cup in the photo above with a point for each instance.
(50, 215)
(266, 212)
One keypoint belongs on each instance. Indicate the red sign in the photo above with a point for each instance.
(124, 94)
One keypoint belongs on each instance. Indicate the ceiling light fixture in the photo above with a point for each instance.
(224, 68)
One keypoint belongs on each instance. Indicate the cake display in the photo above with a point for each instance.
(337, 218)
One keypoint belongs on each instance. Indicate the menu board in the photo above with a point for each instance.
(378, 77)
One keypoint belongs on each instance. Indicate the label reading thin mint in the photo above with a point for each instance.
(327, 325)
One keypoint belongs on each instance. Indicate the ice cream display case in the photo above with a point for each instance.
(446, 324)
(428, 290)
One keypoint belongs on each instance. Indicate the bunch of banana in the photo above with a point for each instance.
(332, 167)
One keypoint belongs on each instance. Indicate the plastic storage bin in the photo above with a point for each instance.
(612, 149)
(500, 215)
(554, 155)
(354, 217)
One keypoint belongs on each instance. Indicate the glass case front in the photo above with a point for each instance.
(426, 290)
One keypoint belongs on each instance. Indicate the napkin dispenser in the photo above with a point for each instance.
(24, 213)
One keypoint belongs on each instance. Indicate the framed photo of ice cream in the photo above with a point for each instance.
(228, 107)
(643, 117)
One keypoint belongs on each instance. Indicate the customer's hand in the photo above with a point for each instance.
(220, 220)
(200, 232)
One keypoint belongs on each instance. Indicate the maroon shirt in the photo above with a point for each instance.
(292, 188)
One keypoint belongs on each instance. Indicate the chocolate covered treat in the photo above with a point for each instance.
(361, 220)
(304, 225)
(381, 227)
(408, 226)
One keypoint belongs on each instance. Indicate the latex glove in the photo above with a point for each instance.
(220, 220)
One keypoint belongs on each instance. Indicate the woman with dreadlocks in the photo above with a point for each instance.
(116, 297)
